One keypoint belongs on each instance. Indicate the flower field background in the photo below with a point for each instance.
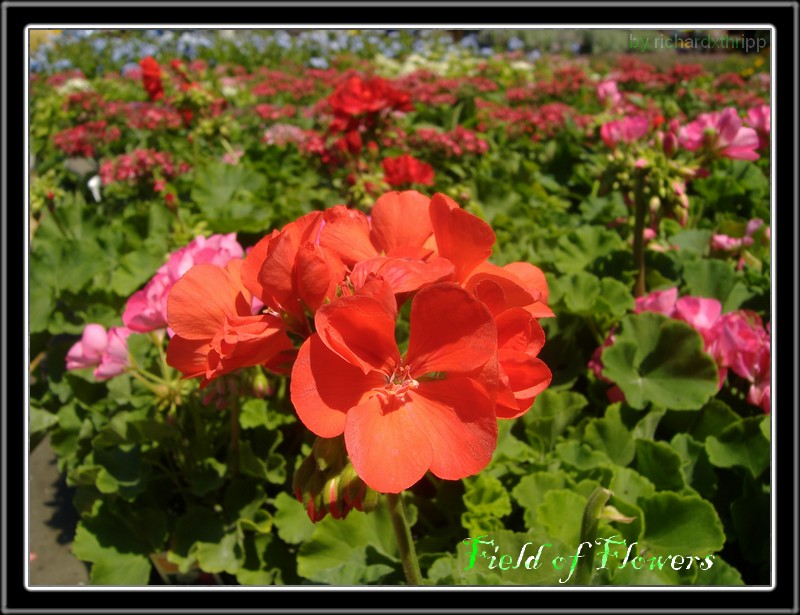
(318, 306)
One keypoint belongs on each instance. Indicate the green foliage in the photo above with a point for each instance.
(204, 477)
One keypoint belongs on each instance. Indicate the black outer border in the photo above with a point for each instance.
(783, 15)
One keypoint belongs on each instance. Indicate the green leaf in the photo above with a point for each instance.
(716, 279)
(615, 298)
(531, 490)
(119, 545)
(582, 247)
(629, 485)
(696, 470)
(291, 519)
(201, 536)
(741, 444)
(659, 360)
(579, 292)
(121, 471)
(695, 241)
(561, 515)
(133, 270)
(719, 572)
(552, 413)
(359, 549)
(610, 436)
(243, 499)
(516, 552)
(581, 457)
(41, 420)
(268, 465)
(257, 413)
(658, 462)
(712, 419)
(227, 198)
(208, 476)
(681, 524)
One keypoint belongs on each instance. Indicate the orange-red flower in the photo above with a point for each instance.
(215, 331)
(401, 415)
(406, 169)
(151, 78)
(290, 272)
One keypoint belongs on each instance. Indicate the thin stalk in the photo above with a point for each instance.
(640, 212)
(591, 515)
(405, 542)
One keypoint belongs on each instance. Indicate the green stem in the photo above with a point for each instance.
(166, 371)
(591, 515)
(148, 384)
(640, 212)
(405, 542)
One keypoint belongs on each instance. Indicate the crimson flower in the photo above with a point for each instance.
(151, 78)
(401, 415)
(357, 96)
(406, 169)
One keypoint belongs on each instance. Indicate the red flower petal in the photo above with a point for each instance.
(461, 237)
(252, 266)
(400, 219)
(188, 356)
(404, 275)
(200, 300)
(317, 274)
(324, 387)
(360, 331)
(517, 330)
(389, 450)
(527, 377)
(457, 417)
(346, 233)
(451, 331)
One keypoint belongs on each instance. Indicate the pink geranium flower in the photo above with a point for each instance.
(608, 93)
(146, 310)
(723, 133)
(89, 350)
(758, 118)
(626, 130)
(107, 352)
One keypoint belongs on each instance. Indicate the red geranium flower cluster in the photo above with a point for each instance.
(83, 140)
(357, 104)
(336, 279)
(406, 169)
(452, 144)
(140, 163)
(151, 78)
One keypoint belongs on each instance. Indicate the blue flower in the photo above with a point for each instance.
(469, 41)
(318, 62)
(515, 43)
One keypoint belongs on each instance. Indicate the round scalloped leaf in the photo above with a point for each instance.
(659, 360)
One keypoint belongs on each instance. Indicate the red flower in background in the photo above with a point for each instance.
(151, 78)
(401, 416)
(406, 169)
(358, 96)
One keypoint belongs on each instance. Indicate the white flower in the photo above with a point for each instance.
(94, 185)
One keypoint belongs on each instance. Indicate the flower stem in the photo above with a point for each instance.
(591, 515)
(640, 211)
(405, 542)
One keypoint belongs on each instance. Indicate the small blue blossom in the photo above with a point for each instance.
(515, 43)
(317, 62)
